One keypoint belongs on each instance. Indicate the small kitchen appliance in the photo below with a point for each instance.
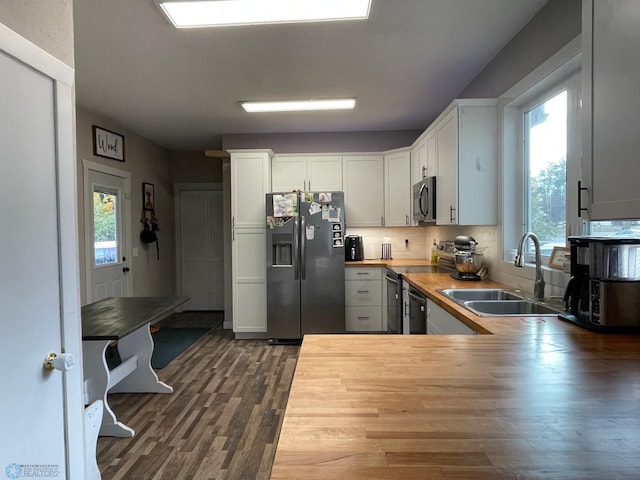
(353, 248)
(603, 293)
(467, 260)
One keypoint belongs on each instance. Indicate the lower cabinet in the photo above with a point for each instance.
(363, 299)
(441, 322)
(249, 281)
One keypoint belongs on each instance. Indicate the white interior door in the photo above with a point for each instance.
(106, 244)
(41, 410)
(201, 249)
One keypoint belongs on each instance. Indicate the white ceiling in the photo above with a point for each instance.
(181, 88)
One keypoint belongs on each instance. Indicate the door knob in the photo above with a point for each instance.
(125, 269)
(62, 362)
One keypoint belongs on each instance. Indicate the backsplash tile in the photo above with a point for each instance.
(421, 239)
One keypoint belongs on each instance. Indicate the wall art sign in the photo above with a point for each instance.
(108, 144)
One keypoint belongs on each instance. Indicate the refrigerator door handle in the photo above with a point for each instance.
(303, 243)
(296, 246)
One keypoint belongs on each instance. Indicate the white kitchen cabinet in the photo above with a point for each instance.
(441, 322)
(610, 78)
(318, 173)
(363, 178)
(424, 162)
(397, 189)
(466, 151)
(249, 282)
(363, 299)
(250, 181)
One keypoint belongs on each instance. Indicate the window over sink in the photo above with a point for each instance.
(541, 156)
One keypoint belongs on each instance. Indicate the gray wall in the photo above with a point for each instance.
(146, 162)
(47, 23)
(558, 22)
(323, 141)
(195, 167)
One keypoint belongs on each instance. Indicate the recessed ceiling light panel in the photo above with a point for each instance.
(216, 13)
(299, 105)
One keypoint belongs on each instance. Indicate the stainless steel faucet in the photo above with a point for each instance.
(538, 285)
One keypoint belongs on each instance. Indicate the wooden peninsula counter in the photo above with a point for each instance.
(545, 400)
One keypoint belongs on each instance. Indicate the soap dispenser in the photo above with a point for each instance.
(434, 253)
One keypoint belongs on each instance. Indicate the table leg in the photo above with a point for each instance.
(139, 343)
(96, 374)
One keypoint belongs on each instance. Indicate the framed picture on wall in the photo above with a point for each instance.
(107, 144)
(148, 200)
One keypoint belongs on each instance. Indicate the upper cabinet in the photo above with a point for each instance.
(610, 79)
(363, 177)
(321, 173)
(397, 189)
(466, 152)
(250, 180)
(423, 157)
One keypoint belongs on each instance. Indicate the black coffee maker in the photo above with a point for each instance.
(576, 297)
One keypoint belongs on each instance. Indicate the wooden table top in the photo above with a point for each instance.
(561, 405)
(113, 318)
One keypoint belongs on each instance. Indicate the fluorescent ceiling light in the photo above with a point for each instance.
(215, 13)
(299, 105)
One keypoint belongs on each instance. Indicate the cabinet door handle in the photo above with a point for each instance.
(451, 210)
(363, 291)
(363, 273)
(382, 220)
(363, 318)
(580, 190)
(309, 184)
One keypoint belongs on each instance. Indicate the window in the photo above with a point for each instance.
(105, 227)
(541, 148)
(545, 168)
(541, 155)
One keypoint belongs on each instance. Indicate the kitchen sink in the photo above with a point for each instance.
(463, 294)
(508, 308)
(497, 302)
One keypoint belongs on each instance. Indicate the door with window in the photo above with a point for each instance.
(107, 262)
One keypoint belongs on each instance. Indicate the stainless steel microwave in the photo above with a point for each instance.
(424, 200)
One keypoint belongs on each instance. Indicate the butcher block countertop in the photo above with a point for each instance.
(490, 407)
(532, 398)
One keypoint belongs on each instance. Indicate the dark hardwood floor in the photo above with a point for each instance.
(222, 420)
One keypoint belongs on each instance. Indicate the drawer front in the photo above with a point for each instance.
(363, 319)
(363, 293)
(356, 273)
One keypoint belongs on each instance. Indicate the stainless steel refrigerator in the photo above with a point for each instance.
(305, 264)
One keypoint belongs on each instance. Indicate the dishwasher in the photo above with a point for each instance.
(397, 310)
(417, 311)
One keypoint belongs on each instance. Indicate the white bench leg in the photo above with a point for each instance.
(92, 423)
(96, 374)
(143, 379)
